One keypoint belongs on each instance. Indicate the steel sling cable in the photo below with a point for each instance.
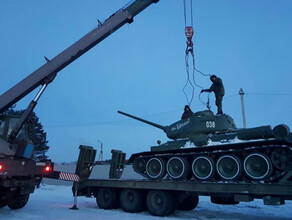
(189, 34)
(204, 74)
(194, 69)
(207, 104)
(188, 82)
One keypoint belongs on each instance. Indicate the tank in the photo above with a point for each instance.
(208, 147)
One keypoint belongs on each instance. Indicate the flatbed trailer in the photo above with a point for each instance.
(162, 197)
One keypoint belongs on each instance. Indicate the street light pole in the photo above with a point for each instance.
(101, 150)
(241, 93)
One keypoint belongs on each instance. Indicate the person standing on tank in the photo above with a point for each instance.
(187, 113)
(219, 91)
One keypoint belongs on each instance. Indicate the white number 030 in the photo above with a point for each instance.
(210, 124)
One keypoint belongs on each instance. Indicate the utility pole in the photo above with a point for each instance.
(241, 93)
(101, 150)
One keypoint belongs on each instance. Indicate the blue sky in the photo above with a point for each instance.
(140, 69)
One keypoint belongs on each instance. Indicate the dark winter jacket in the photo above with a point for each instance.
(187, 114)
(217, 87)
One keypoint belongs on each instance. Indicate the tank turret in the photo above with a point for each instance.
(204, 126)
(202, 123)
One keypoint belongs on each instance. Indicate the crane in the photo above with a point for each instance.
(16, 151)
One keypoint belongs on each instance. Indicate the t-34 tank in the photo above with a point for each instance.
(220, 151)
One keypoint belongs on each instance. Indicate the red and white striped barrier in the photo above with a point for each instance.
(68, 176)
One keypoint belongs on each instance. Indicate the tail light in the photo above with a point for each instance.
(1, 167)
(48, 169)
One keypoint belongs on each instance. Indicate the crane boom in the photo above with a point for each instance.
(18, 171)
(46, 73)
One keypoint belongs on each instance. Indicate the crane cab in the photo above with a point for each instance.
(21, 146)
(7, 123)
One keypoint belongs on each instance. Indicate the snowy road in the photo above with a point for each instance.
(53, 203)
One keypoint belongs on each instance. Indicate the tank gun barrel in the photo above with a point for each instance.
(144, 121)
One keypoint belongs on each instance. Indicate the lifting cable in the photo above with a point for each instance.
(207, 104)
(189, 34)
(188, 82)
(189, 31)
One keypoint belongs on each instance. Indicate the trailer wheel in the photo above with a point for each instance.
(17, 201)
(223, 200)
(160, 202)
(3, 203)
(188, 201)
(107, 198)
(132, 200)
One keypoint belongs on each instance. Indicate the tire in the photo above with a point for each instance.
(3, 203)
(17, 201)
(223, 200)
(188, 202)
(160, 202)
(107, 198)
(132, 200)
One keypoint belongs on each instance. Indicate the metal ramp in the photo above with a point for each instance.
(117, 164)
(85, 161)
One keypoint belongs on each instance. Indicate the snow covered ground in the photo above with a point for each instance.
(52, 202)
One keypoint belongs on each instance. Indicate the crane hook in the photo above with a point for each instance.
(189, 31)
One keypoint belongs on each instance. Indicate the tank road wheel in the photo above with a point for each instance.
(282, 159)
(107, 198)
(177, 168)
(257, 166)
(155, 168)
(132, 200)
(139, 165)
(229, 167)
(160, 202)
(203, 168)
(17, 201)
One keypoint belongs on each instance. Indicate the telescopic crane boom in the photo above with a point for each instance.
(19, 173)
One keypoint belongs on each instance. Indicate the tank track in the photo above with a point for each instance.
(263, 161)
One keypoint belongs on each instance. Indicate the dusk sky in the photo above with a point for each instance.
(140, 69)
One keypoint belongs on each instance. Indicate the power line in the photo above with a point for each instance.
(230, 96)
(122, 120)
(115, 121)
(270, 94)
(85, 124)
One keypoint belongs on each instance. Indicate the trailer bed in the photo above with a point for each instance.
(162, 197)
(202, 188)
